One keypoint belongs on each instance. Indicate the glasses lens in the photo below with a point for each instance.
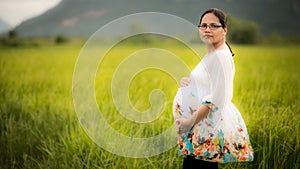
(203, 26)
(213, 27)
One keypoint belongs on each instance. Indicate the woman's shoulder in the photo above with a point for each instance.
(218, 54)
(219, 58)
(225, 52)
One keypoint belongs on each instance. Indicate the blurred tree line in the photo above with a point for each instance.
(248, 32)
(242, 32)
(14, 40)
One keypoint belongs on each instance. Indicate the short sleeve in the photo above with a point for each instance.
(220, 69)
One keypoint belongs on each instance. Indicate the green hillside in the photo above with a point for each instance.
(81, 18)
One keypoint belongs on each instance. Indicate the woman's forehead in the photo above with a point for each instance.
(210, 18)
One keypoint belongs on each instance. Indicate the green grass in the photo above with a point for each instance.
(39, 127)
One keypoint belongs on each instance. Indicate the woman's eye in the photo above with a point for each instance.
(203, 26)
(213, 26)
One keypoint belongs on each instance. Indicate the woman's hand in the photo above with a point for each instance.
(185, 81)
(185, 124)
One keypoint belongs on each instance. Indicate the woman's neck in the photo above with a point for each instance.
(219, 46)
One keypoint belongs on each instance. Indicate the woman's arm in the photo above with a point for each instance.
(185, 124)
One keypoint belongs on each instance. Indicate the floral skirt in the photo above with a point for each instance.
(216, 150)
(221, 137)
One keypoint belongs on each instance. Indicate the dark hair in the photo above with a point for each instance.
(222, 19)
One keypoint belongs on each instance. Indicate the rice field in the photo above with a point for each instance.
(39, 127)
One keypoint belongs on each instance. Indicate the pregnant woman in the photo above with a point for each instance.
(210, 128)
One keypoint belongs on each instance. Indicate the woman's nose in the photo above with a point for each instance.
(207, 30)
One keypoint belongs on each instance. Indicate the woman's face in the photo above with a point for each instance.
(212, 36)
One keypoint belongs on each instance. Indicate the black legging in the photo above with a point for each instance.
(191, 163)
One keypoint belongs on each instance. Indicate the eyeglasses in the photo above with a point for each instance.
(211, 26)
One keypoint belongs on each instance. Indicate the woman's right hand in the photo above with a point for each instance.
(185, 81)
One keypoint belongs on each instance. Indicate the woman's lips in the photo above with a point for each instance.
(207, 36)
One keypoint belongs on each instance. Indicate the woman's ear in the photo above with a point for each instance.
(225, 31)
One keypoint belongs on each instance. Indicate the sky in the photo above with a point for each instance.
(14, 12)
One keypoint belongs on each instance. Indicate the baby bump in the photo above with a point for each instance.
(185, 102)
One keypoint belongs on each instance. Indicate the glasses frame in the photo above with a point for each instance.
(210, 26)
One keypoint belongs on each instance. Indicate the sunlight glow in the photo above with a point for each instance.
(16, 11)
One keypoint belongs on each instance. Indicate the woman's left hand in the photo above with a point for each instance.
(185, 124)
